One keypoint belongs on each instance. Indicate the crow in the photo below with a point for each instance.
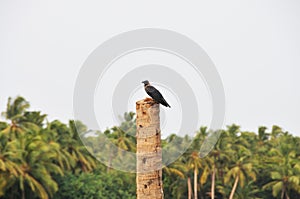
(155, 94)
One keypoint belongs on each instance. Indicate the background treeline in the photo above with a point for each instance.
(46, 159)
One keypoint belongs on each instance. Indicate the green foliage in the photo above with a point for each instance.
(31, 153)
(113, 184)
(41, 159)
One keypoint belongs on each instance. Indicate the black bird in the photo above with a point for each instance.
(155, 94)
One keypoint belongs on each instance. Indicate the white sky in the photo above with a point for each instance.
(254, 44)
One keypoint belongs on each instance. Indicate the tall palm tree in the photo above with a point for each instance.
(15, 108)
(33, 117)
(85, 160)
(176, 172)
(74, 154)
(14, 153)
(189, 187)
(10, 159)
(122, 139)
(217, 161)
(193, 160)
(285, 174)
(38, 165)
(15, 113)
(240, 171)
(250, 191)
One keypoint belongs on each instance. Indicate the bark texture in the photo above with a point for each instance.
(149, 154)
(234, 187)
(189, 188)
(213, 178)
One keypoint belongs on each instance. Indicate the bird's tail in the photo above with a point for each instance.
(165, 103)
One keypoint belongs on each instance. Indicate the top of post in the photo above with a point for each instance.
(145, 101)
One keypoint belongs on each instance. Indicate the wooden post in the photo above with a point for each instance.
(148, 152)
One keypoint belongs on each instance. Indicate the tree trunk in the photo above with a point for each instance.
(234, 187)
(284, 192)
(23, 193)
(287, 196)
(195, 183)
(148, 152)
(189, 188)
(213, 177)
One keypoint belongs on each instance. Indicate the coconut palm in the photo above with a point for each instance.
(217, 161)
(33, 117)
(74, 153)
(193, 160)
(240, 171)
(10, 159)
(285, 174)
(176, 173)
(15, 113)
(38, 166)
(15, 108)
(250, 191)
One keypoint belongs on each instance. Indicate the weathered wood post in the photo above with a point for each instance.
(148, 152)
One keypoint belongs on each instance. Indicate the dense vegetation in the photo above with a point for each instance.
(42, 159)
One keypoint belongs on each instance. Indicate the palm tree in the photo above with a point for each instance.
(38, 165)
(74, 155)
(189, 187)
(176, 173)
(10, 158)
(285, 174)
(33, 117)
(193, 162)
(15, 108)
(84, 159)
(240, 171)
(30, 162)
(217, 160)
(122, 139)
(15, 112)
(249, 191)
(31, 155)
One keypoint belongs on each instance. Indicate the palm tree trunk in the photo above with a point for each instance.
(213, 182)
(234, 187)
(285, 191)
(148, 150)
(282, 191)
(189, 188)
(23, 194)
(195, 183)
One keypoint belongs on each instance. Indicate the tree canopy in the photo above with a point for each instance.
(46, 159)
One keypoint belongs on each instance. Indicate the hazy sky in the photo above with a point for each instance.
(255, 46)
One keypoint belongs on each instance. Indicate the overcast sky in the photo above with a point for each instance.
(255, 46)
